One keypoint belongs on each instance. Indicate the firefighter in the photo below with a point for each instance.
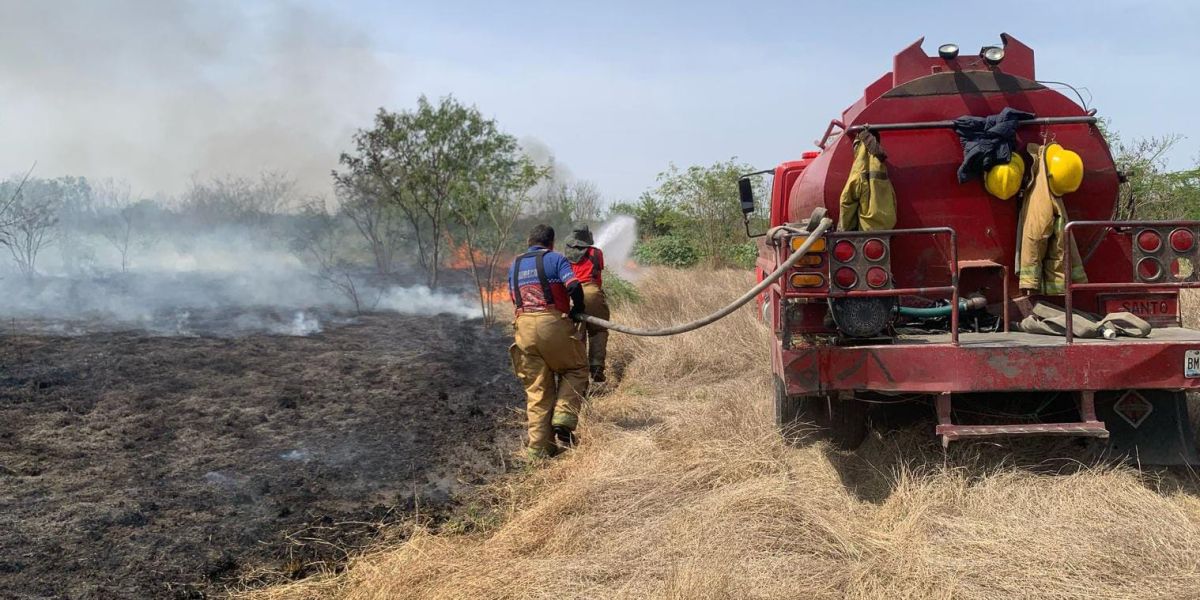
(548, 352)
(588, 261)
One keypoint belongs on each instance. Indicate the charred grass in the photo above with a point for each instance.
(682, 489)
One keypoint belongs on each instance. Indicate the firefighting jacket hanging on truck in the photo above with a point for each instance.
(987, 141)
(1041, 240)
(868, 201)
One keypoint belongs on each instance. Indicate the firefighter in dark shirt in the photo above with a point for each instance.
(548, 354)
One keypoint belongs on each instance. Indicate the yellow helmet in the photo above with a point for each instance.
(1064, 169)
(1003, 181)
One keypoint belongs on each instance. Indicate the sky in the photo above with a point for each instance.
(158, 93)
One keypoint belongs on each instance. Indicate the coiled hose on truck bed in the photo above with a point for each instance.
(813, 236)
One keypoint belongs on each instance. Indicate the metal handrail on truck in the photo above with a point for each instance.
(1152, 286)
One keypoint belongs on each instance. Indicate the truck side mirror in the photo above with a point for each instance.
(746, 193)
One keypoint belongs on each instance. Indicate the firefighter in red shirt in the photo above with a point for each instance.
(587, 261)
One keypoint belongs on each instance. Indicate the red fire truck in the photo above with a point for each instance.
(927, 311)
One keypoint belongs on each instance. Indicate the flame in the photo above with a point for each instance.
(460, 256)
(498, 294)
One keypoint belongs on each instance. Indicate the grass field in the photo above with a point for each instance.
(683, 490)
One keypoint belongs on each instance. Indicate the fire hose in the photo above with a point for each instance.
(813, 235)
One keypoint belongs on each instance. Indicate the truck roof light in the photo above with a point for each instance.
(992, 54)
(948, 51)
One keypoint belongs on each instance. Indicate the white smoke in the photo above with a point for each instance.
(225, 282)
(616, 238)
(157, 92)
(420, 300)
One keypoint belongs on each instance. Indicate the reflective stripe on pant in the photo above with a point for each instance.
(596, 305)
(549, 357)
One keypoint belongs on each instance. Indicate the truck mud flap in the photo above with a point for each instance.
(1150, 427)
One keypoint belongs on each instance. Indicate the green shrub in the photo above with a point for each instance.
(667, 251)
(619, 291)
(742, 255)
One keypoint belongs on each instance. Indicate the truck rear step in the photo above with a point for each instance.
(1088, 427)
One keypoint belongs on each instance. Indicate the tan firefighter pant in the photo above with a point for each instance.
(549, 357)
(595, 304)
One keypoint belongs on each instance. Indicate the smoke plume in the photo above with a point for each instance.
(157, 92)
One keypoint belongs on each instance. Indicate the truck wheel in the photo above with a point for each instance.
(842, 423)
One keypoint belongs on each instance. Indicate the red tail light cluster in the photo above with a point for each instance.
(861, 263)
(1166, 251)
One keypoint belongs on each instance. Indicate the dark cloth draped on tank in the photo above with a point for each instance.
(987, 141)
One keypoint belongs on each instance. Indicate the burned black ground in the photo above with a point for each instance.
(141, 466)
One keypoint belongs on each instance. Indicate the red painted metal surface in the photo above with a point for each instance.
(1121, 283)
(989, 363)
(968, 247)
(1158, 309)
(922, 164)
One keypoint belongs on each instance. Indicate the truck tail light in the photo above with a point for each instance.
(877, 277)
(874, 250)
(818, 246)
(807, 280)
(1166, 254)
(858, 262)
(1149, 269)
(1149, 241)
(1182, 240)
(811, 260)
(844, 251)
(845, 278)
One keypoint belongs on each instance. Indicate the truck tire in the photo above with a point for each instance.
(843, 423)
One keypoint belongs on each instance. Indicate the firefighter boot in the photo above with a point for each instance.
(598, 373)
(566, 438)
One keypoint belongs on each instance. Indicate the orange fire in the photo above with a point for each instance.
(498, 294)
(460, 256)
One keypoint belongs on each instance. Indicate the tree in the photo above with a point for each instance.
(1149, 190)
(565, 203)
(487, 207)
(119, 219)
(418, 160)
(32, 215)
(239, 200)
(706, 199)
(376, 219)
(655, 216)
(320, 239)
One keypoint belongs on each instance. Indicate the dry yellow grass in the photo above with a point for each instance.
(683, 490)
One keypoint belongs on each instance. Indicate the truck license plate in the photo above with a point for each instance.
(1191, 363)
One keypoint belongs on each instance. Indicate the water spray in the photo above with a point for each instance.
(814, 233)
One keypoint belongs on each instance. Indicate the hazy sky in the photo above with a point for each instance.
(158, 91)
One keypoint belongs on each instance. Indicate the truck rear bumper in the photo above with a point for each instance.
(990, 362)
